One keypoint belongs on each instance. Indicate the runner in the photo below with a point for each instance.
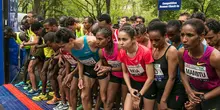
(184, 17)
(138, 71)
(173, 33)
(62, 21)
(142, 37)
(24, 24)
(170, 92)
(28, 21)
(132, 20)
(67, 62)
(50, 25)
(36, 56)
(199, 15)
(213, 33)
(105, 21)
(52, 73)
(123, 20)
(79, 29)
(140, 20)
(88, 23)
(70, 23)
(199, 67)
(85, 50)
(110, 52)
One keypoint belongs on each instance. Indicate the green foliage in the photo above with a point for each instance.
(118, 8)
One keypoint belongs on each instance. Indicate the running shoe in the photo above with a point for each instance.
(33, 92)
(61, 106)
(40, 88)
(26, 87)
(51, 93)
(40, 84)
(40, 97)
(53, 101)
(20, 84)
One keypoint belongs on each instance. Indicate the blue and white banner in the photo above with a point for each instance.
(13, 14)
(169, 4)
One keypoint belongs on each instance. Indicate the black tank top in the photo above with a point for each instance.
(161, 71)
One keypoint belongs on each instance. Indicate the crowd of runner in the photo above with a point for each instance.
(130, 66)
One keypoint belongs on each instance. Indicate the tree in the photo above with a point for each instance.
(51, 8)
(116, 8)
(90, 6)
(108, 6)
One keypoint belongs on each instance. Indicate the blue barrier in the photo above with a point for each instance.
(2, 72)
(13, 56)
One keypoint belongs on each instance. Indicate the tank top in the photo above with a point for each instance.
(85, 55)
(30, 35)
(202, 75)
(48, 51)
(18, 40)
(112, 60)
(161, 71)
(70, 58)
(80, 33)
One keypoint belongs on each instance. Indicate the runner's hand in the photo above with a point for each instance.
(98, 65)
(80, 84)
(68, 79)
(136, 103)
(22, 45)
(135, 99)
(189, 105)
(133, 93)
(193, 96)
(103, 70)
(163, 105)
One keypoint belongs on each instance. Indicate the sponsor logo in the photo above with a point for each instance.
(200, 63)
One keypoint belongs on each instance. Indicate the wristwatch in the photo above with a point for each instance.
(139, 94)
(202, 97)
(110, 69)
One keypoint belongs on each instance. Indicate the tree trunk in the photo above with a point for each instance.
(37, 8)
(108, 2)
(98, 8)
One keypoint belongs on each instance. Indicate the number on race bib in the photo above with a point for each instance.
(158, 72)
(135, 70)
(114, 64)
(88, 62)
(70, 59)
(196, 72)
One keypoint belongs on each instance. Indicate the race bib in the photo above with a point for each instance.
(135, 70)
(114, 64)
(88, 62)
(196, 72)
(158, 72)
(70, 59)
